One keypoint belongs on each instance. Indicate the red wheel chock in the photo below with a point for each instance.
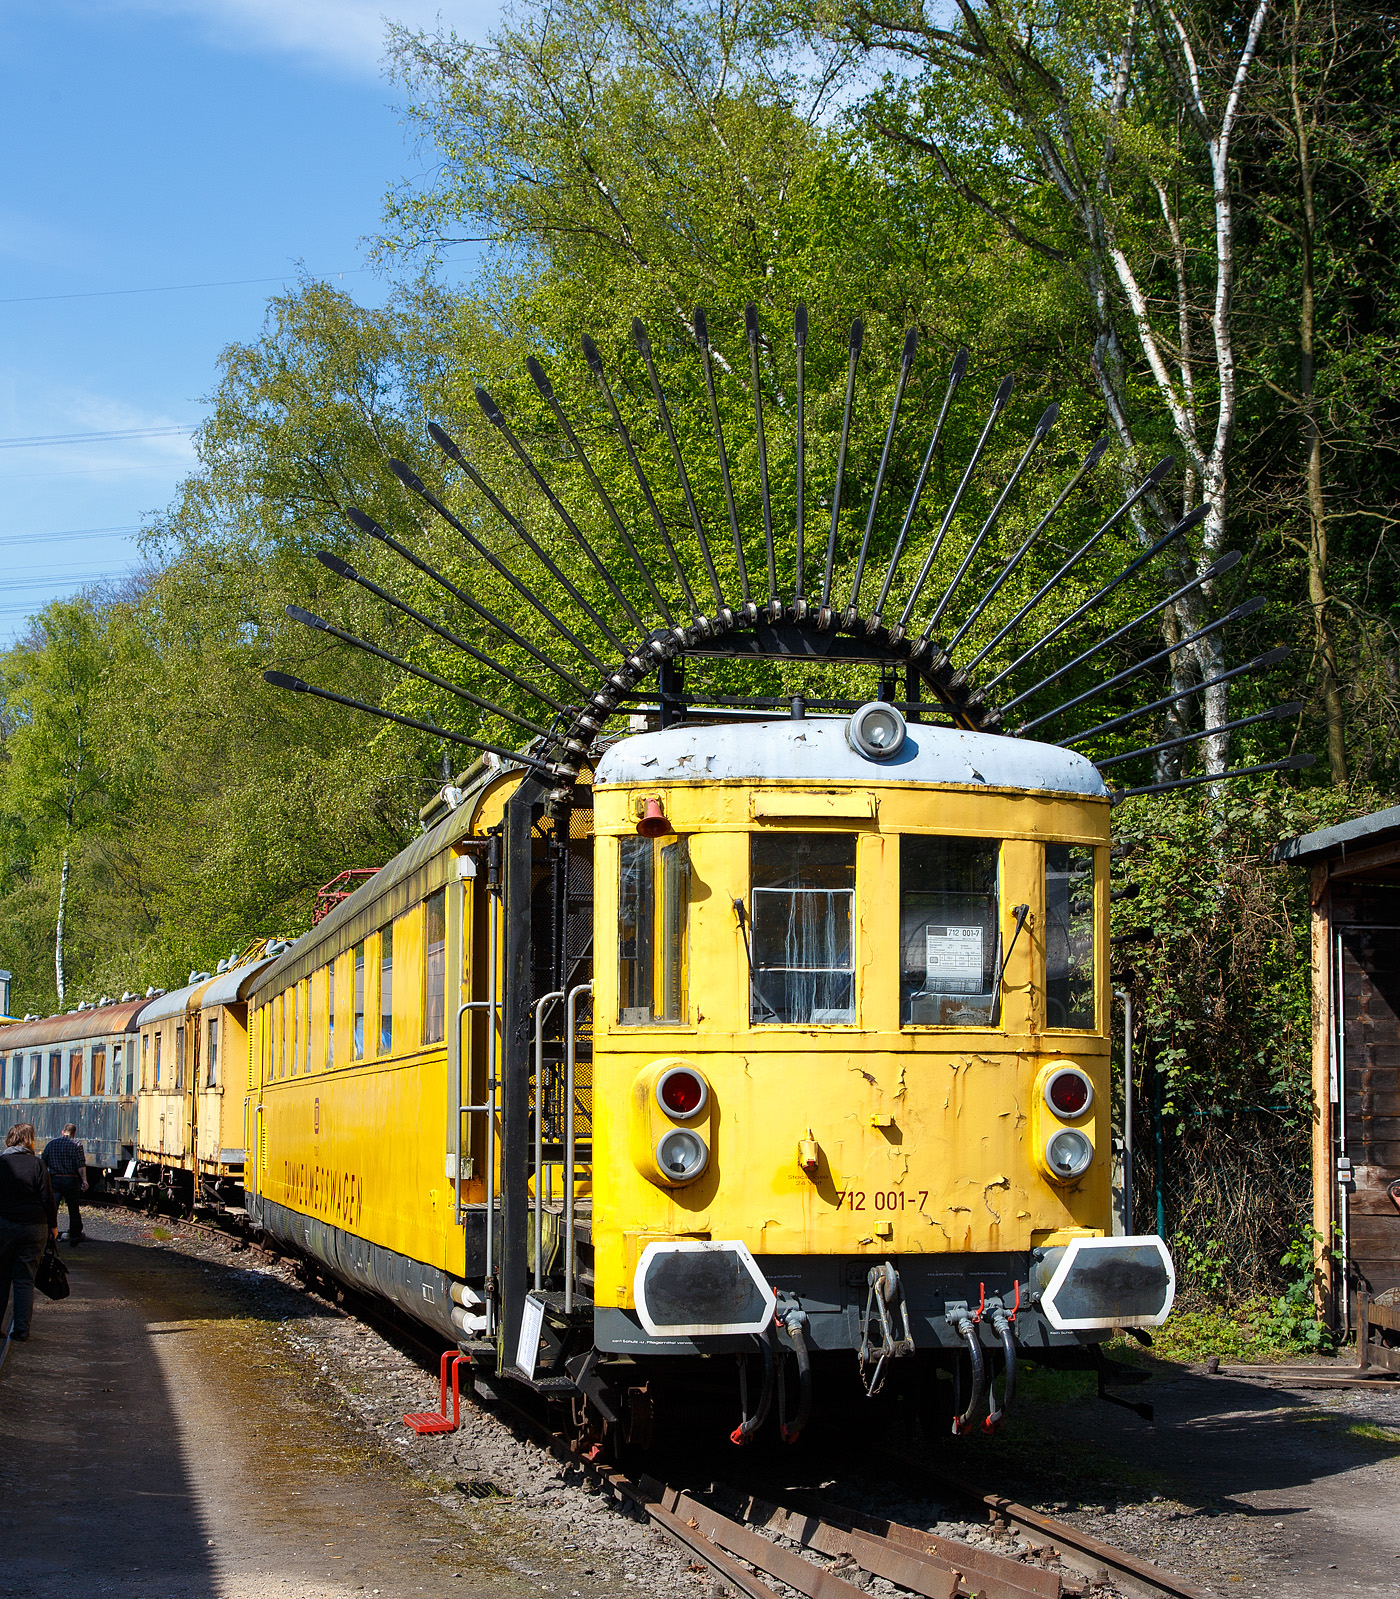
(427, 1421)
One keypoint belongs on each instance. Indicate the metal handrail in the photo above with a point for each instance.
(258, 1110)
(570, 1061)
(546, 999)
(1127, 998)
(465, 871)
(493, 1022)
(492, 1006)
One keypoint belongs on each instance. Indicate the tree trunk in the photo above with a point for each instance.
(58, 934)
(1312, 433)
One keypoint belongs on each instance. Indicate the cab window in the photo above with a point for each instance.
(1069, 936)
(653, 901)
(803, 890)
(948, 931)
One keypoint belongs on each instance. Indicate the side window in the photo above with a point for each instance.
(75, 1071)
(160, 1033)
(1069, 936)
(145, 1061)
(357, 1042)
(4, 1076)
(36, 1070)
(179, 1058)
(386, 990)
(653, 917)
(636, 900)
(55, 1074)
(213, 1052)
(803, 890)
(330, 1014)
(950, 949)
(99, 1069)
(434, 968)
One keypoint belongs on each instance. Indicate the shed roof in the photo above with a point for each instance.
(1380, 827)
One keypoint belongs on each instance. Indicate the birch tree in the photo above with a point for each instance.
(1102, 141)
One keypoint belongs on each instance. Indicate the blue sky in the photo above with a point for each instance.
(151, 143)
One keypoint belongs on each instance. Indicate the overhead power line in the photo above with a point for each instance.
(10, 587)
(167, 288)
(34, 441)
(65, 535)
(176, 288)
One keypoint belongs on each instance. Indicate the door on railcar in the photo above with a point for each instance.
(562, 963)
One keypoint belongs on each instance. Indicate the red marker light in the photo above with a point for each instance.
(681, 1092)
(1069, 1093)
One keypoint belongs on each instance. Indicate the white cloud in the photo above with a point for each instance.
(33, 240)
(346, 35)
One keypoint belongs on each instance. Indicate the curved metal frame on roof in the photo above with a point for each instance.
(596, 663)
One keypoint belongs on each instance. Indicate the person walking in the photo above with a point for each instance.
(67, 1163)
(28, 1217)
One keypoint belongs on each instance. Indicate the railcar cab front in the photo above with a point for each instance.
(855, 1033)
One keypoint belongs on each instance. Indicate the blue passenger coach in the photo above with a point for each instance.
(78, 1067)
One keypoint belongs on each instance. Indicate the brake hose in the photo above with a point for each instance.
(968, 1328)
(1006, 1331)
(750, 1424)
(795, 1321)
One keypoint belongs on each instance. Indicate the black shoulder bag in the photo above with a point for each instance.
(51, 1275)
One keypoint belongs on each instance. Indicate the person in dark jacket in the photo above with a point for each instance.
(28, 1217)
(67, 1163)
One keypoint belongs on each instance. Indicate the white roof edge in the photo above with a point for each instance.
(227, 987)
(815, 750)
(220, 990)
(170, 1004)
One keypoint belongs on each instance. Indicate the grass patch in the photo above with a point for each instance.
(1252, 1331)
(161, 1232)
(1369, 1431)
(1043, 1385)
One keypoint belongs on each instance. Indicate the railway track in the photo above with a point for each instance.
(769, 1535)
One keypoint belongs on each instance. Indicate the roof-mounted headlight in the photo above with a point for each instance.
(876, 731)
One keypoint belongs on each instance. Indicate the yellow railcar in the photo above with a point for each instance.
(193, 1058)
(846, 1064)
(777, 1036)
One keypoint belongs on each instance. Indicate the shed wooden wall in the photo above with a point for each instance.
(1370, 1106)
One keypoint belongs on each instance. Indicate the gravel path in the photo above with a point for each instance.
(1243, 1487)
(192, 1423)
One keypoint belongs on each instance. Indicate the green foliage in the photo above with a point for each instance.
(1294, 1322)
(1220, 982)
(626, 160)
(1212, 1319)
(1202, 1267)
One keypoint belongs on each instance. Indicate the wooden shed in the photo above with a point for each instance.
(1355, 882)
